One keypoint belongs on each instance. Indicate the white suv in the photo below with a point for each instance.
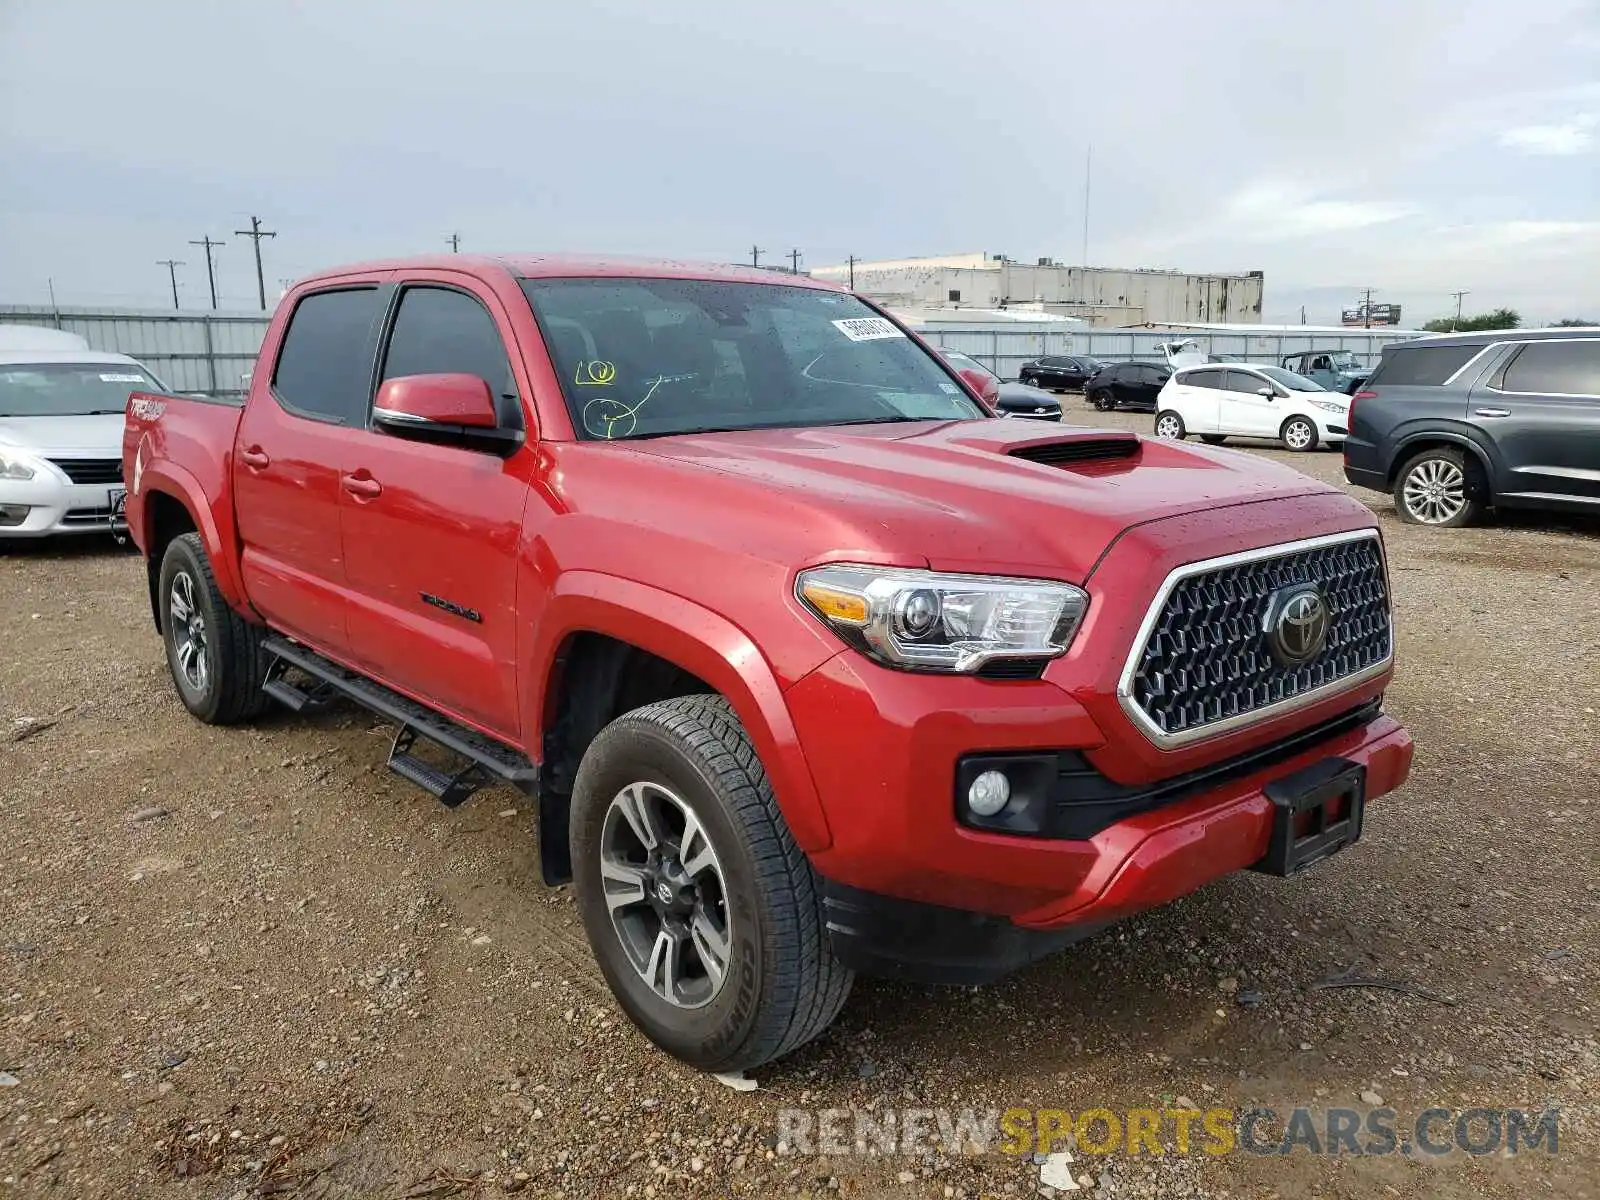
(1242, 400)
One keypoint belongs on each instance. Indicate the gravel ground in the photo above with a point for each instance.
(237, 963)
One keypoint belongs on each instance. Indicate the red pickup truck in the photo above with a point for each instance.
(813, 663)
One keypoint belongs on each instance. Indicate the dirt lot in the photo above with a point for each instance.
(251, 962)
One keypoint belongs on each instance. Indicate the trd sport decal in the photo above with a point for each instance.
(470, 614)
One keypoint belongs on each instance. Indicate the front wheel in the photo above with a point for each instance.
(1439, 487)
(214, 654)
(1299, 435)
(1170, 425)
(1213, 439)
(704, 915)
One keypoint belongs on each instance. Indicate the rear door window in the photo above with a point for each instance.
(1555, 368)
(1421, 366)
(1202, 379)
(324, 368)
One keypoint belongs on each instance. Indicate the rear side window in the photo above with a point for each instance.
(1557, 368)
(1421, 366)
(324, 368)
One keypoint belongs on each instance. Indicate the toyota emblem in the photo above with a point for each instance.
(1297, 624)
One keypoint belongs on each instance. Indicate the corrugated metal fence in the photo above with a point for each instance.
(193, 352)
(1005, 350)
(213, 352)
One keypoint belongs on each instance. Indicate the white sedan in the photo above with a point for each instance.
(1238, 399)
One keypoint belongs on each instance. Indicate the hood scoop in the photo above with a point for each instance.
(1070, 453)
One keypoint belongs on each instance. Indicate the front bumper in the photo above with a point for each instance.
(56, 507)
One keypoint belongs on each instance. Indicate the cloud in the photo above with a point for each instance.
(1576, 136)
(1276, 210)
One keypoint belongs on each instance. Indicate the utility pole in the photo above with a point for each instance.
(455, 243)
(852, 272)
(172, 265)
(1366, 308)
(1302, 314)
(1088, 166)
(1457, 323)
(755, 255)
(211, 275)
(794, 262)
(255, 233)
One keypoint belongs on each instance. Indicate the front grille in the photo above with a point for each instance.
(87, 516)
(1206, 664)
(91, 470)
(1057, 454)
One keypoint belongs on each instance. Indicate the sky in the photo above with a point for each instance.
(1416, 147)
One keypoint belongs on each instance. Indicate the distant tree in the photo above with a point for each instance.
(1573, 323)
(1500, 318)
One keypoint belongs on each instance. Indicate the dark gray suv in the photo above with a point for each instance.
(1455, 423)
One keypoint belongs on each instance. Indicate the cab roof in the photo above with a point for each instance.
(567, 266)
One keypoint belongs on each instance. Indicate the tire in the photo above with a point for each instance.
(682, 760)
(1299, 435)
(1170, 425)
(1102, 401)
(1442, 487)
(1213, 439)
(220, 675)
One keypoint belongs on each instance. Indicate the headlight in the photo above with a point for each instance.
(13, 466)
(927, 621)
(1332, 406)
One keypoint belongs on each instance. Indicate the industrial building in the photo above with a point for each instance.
(1098, 295)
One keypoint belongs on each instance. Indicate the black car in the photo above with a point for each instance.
(1059, 372)
(1127, 385)
(1453, 424)
(1014, 399)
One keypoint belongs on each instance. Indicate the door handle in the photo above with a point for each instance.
(255, 457)
(363, 487)
(1491, 412)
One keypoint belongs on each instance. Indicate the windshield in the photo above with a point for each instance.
(650, 357)
(70, 389)
(965, 362)
(1288, 379)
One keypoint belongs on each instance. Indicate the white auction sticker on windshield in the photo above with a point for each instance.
(122, 379)
(867, 329)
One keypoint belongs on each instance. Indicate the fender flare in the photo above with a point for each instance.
(1403, 450)
(699, 641)
(169, 479)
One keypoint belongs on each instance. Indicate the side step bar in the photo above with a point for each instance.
(486, 759)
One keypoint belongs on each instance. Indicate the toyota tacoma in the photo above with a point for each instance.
(813, 665)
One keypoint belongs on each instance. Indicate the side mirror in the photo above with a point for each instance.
(452, 410)
(982, 383)
(1267, 392)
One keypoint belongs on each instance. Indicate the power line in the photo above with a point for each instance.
(172, 265)
(255, 233)
(755, 255)
(794, 262)
(455, 243)
(211, 275)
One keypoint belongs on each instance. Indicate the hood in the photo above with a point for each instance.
(74, 437)
(1021, 396)
(955, 495)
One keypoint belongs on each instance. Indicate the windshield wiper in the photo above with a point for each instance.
(895, 420)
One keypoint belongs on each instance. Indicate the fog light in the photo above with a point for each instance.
(14, 514)
(989, 793)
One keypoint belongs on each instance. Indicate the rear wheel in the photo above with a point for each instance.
(704, 915)
(1441, 487)
(1102, 401)
(1212, 439)
(214, 654)
(1170, 425)
(1299, 434)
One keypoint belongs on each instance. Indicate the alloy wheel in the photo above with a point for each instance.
(1169, 427)
(188, 633)
(1299, 435)
(664, 888)
(1435, 491)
